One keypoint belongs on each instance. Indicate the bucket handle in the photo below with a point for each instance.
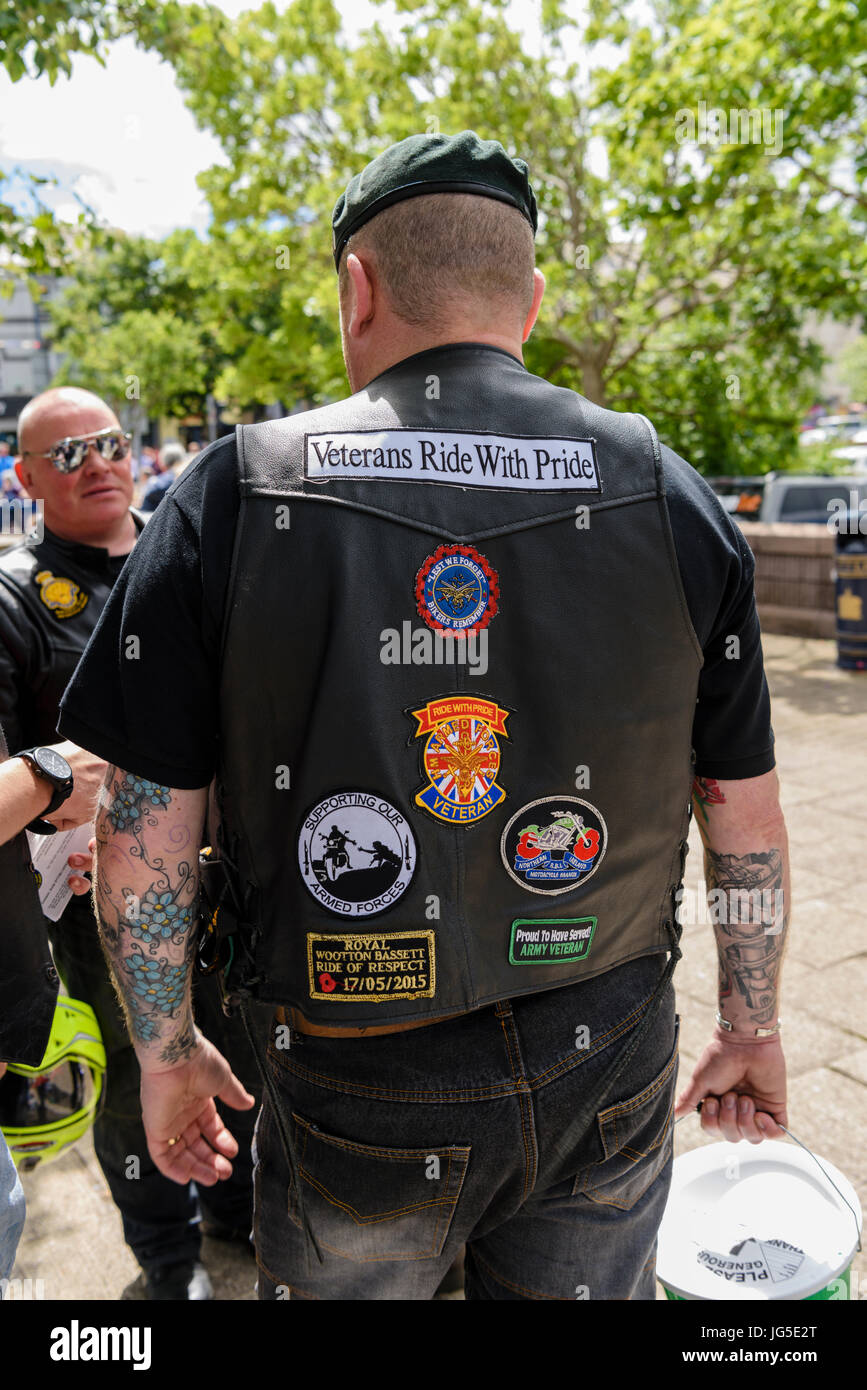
(803, 1146)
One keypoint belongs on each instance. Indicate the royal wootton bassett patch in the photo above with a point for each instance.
(373, 967)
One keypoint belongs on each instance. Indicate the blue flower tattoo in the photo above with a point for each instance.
(161, 919)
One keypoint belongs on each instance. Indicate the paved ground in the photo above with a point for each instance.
(73, 1240)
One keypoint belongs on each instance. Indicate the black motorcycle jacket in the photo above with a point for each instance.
(51, 596)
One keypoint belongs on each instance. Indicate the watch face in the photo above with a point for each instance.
(53, 764)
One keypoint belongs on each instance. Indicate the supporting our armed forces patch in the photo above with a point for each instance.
(357, 853)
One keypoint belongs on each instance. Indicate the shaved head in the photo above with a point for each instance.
(60, 404)
(90, 504)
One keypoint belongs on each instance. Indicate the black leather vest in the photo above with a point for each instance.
(28, 979)
(422, 822)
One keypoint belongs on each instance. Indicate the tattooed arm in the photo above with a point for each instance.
(747, 875)
(145, 891)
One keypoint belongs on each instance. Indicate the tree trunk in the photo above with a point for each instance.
(592, 385)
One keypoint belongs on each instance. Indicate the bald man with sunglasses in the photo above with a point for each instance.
(75, 457)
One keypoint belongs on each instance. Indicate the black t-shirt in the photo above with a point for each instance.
(157, 713)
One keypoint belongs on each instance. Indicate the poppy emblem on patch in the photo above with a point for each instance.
(554, 844)
(456, 590)
(461, 757)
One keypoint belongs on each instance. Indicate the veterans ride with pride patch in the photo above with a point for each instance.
(512, 462)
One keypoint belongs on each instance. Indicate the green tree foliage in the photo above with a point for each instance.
(150, 357)
(854, 369)
(44, 37)
(680, 269)
(130, 329)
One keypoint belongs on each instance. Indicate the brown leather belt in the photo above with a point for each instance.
(295, 1019)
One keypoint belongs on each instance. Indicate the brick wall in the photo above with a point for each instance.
(795, 592)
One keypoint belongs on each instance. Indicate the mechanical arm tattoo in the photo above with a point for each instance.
(746, 897)
(146, 903)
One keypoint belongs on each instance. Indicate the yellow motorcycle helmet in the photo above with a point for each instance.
(45, 1109)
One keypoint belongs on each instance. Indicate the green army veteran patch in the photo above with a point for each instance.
(550, 940)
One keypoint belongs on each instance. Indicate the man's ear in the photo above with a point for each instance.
(361, 296)
(538, 291)
(24, 478)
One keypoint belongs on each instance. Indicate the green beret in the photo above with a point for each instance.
(432, 164)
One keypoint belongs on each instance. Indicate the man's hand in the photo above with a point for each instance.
(743, 1090)
(81, 864)
(178, 1104)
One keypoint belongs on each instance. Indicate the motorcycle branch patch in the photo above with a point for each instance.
(461, 757)
(357, 853)
(554, 844)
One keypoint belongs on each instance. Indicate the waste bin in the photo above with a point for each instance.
(851, 577)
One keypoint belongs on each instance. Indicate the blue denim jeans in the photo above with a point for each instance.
(11, 1211)
(485, 1131)
(160, 1217)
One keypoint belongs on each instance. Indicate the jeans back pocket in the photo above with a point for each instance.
(367, 1202)
(636, 1137)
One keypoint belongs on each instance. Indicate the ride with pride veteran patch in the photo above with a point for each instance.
(511, 463)
(375, 967)
(461, 758)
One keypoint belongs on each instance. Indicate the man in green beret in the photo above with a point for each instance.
(451, 652)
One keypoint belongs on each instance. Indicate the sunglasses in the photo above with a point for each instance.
(69, 454)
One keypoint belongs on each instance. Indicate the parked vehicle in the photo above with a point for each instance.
(845, 428)
(811, 497)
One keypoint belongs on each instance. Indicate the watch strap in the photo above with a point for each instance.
(62, 791)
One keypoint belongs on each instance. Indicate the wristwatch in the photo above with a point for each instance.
(48, 763)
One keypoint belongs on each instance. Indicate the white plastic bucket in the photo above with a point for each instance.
(756, 1222)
